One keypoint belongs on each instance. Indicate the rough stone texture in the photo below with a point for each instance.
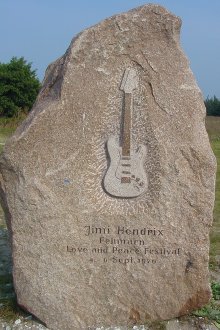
(83, 258)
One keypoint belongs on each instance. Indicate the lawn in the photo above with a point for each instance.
(213, 128)
(216, 149)
(5, 132)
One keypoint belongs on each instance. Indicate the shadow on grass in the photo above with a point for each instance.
(9, 309)
(7, 295)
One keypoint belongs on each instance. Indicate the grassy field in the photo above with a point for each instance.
(215, 233)
(8, 126)
(213, 128)
(5, 132)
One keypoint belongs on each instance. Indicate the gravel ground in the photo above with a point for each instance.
(21, 324)
(189, 324)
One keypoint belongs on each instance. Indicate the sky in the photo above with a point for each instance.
(41, 31)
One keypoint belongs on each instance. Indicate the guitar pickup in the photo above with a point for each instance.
(125, 180)
(129, 165)
(126, 172)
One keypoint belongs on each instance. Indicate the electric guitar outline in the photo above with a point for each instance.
(125, 176)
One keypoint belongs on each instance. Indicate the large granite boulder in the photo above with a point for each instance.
(108, 185)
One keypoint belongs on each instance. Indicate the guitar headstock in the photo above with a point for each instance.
(129, 80)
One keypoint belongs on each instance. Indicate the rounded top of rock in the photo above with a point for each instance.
(147, 22)
(149, 8)
(149, 12)
(115, 36)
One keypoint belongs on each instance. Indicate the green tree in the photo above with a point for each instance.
(212, 106)
(19, 87)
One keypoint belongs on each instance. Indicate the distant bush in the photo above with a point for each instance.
(19, 87)
(212, 106)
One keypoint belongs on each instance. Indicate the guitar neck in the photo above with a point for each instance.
(126, 130)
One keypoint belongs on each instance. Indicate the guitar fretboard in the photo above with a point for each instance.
(126, 130)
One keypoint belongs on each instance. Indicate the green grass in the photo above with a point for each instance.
(5, 132)
(8, 126)
(215, 290)
(213, 128)
(211, 311)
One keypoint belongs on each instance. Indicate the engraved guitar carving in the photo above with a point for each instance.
(125, 176)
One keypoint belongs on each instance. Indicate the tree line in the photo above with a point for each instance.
(19, 87)
(212, 106)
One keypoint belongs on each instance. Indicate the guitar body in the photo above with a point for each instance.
(125, 176)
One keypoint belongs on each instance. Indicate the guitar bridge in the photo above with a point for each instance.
(125, 179)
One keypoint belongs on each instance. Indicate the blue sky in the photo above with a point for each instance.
(41, 30)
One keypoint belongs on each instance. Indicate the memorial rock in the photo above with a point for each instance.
(108, 185)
